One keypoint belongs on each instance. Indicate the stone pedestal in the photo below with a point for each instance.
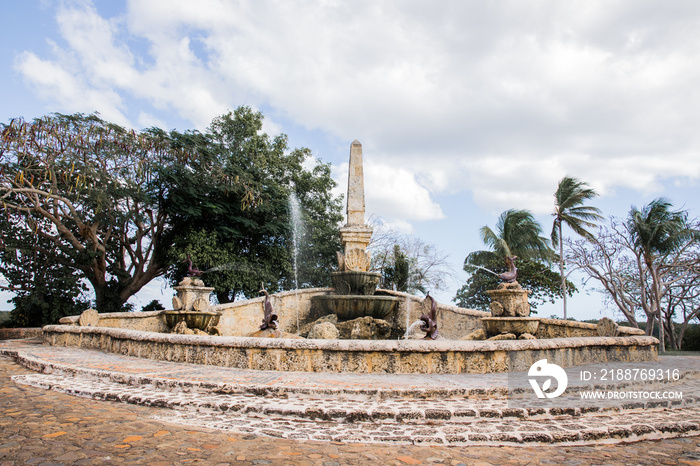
(190, 306)
(510, 311)
(355, 239)
(509, 300)
(192, 295)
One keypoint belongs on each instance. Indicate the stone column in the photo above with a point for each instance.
(355, 235)
(356, 186)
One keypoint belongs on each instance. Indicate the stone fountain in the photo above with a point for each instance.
(190, 313)
(510, 311)
(353, 303)
(355, 286)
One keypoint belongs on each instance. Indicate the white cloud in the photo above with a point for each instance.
(69, 90)
(501, 100)
(393, 194)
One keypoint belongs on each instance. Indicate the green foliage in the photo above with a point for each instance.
(154, 305)
(93, 191)
(535, 276)
(45, 289)
(396, 276)
(243, 240)
(656, 229)
(691, 338)
(517, 234)
(569, 209)
(119, 208)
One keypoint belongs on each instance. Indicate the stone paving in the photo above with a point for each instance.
(191, 415)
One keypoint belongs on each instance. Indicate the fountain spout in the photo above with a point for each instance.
(429, 325)
(192, 271)
(511, 274)
(270, 316)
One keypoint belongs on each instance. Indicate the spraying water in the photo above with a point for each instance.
(297, 232)
(408, 316)
(412, 327)
(484, 269)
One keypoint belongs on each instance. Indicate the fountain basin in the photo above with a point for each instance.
(514, 325)
(357, 356)
(349, 307)
(352, 282)
(193, 319)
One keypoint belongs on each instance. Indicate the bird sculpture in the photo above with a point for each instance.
(511, 274)
(192, 271)
(429, 325)
(269, 316)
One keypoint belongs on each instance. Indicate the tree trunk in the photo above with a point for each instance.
(223, 297)
(561, 269)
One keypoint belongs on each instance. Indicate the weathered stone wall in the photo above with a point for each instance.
(556, 328)
(390, 356)
(242, 318)
(19, 333)
(453, 322)
(151, 321)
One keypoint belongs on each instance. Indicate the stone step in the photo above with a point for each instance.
(325, 408)
(431, 409)
(458, 422)
(493, 386)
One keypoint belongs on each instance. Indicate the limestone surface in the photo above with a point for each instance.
(476, 335)
(89, 318)
(324, 331)
(509, 300)
(503, 336)
(607, 328)
(332, 318)
(364, 328)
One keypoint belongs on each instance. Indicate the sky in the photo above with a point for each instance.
(464, 108)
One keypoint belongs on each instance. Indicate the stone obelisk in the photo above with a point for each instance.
(355, 235)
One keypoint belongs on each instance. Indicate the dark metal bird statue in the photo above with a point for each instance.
(192, 271)
(511, 274)
(270, 316)
(429, 325)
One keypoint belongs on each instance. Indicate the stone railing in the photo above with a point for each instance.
(556, 328)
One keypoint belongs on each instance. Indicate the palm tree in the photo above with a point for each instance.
(517, 234)
(569, 209)
(656, 231)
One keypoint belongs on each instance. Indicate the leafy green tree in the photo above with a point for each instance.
(658, 231)
(396, 275)
(96, 192)
(44, 289)
(154, 305)
(242, 240)
(570, 210)
(517, 234)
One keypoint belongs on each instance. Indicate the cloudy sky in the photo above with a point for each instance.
(464, 108)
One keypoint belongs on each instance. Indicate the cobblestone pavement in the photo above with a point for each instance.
(41, 426)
